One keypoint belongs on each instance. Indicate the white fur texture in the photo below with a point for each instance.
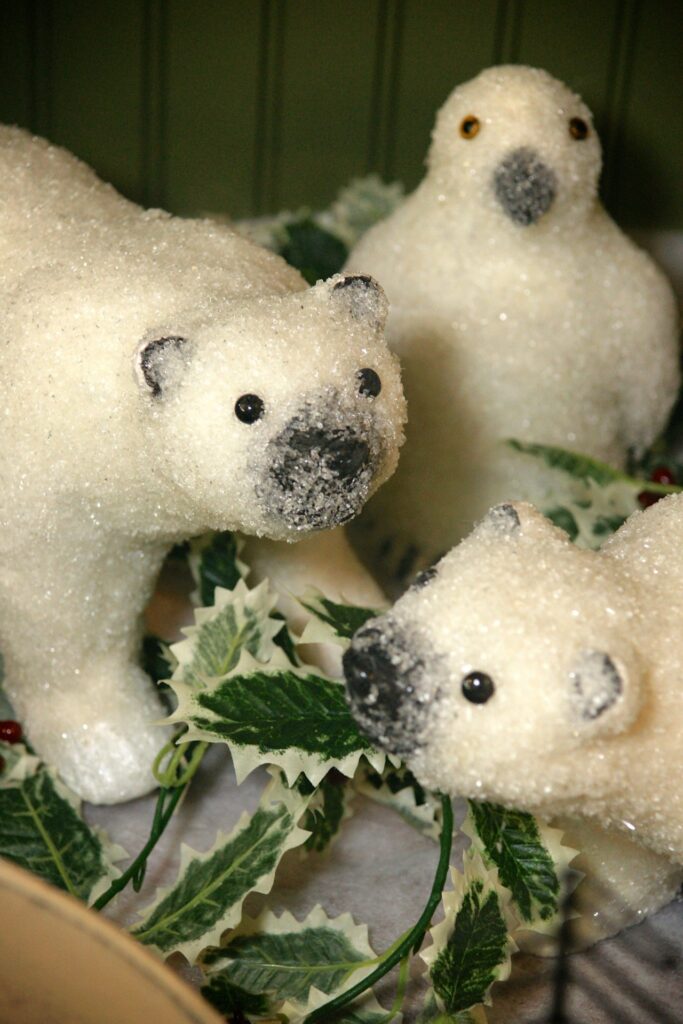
(558, 331)
(563, 732)
(106, 460)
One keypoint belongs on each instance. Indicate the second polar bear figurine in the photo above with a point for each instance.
(518, 310)
(526, 671)
(160, 377)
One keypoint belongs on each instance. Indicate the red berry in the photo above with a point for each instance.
(648, 498)
(10, 731)
(662, 475)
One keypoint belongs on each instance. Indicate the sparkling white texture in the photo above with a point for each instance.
(525, 606)
(111, 451)
(558, 331)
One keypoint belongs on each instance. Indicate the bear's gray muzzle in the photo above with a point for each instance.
(382, 689)
(524, 186)
(319, 473)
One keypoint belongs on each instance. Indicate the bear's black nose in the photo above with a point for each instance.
(346, 456)
(372, 679)
(524, 186)
(342, 452)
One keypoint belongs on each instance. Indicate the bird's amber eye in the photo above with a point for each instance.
(469, 126)
(578, 129)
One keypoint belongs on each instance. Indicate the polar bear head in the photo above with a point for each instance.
(503, 666)
(278, 415)
(519, 145)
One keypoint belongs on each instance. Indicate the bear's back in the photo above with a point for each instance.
(55, 212)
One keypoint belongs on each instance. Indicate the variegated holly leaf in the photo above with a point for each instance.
(397, 788)
(282, 958)
(41, 829)
(529, 856)
(328, 808)
(363, 1010)
(292, 717)
(331, 621)
(589, 500)
(471, 947)
(18, 763)
(214, 562)
(431, 1013)
(207, 897)
(239, 620)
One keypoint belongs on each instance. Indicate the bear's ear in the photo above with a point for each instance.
(504, 519)
(361, 297)
(521, 520)
(603, 692)
(158, 361)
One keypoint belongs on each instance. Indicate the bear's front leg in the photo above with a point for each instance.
(70, 646)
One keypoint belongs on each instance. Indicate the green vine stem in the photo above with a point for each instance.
(411, 940)
(167, 801)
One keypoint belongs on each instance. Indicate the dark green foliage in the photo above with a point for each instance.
(277, 710)
(513, 843)
(313, 251)
(467, 966)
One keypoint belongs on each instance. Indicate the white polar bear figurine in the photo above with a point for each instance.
(528, 672)
(518, 310)
(160, 377)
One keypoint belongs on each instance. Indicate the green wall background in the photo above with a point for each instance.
(248, 107)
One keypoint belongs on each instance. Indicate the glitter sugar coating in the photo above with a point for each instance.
(518, 309)
(128, 338)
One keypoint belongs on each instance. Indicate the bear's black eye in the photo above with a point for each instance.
(370, 384)
(477, 687)
(578, 129)
(249, 408)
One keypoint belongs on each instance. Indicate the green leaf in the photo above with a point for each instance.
(431, 1013)
(284, 958)
(590, 500)
(156, 660)
(239, 620)
(359, 205)
(326, 811)
(294, 718)
(471, 947)
(398, 789)
(41, 830)
(215, 563)
(332, 621)
(581, 466)
(315, 252)
(511, 841)
(211, 887)
(230, 1000)
(284, 639)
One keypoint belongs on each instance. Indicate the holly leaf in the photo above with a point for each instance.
(397, 788)
(315, 252)
(18, 763)
(332, 622)
(590, 499)
(279, 714)
(431, 1013)
(471, 947)
(282, 958)
(239, 620)
(329, 806)
(211, 887)
(214, 562)
(41, 829)
(363, 1010)
(512, 841)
